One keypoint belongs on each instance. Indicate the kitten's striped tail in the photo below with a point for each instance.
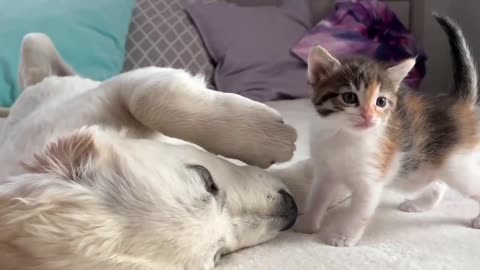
(464, 70)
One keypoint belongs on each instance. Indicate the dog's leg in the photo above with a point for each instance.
(179, 105)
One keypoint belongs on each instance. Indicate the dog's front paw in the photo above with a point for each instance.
(272, 142)
(258, 134)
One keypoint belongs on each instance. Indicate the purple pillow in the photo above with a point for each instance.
(251, 47)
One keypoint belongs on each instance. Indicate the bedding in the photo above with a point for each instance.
(439, 239)
(368, 28)
(161, 34)
(250, 47)
(395, 240)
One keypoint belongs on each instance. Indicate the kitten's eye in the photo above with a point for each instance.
(349, 98)
(381, 102)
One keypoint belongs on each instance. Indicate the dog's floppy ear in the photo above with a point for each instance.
(40, 59)
(69, 157)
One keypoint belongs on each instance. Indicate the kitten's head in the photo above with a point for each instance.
(355, 95)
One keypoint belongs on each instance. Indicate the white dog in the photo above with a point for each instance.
(88, 182)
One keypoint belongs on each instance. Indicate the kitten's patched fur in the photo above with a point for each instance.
(372, 132)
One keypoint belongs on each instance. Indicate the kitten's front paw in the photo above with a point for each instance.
(345, 235)
(342, 240)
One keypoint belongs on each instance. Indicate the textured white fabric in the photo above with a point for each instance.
(440, 239)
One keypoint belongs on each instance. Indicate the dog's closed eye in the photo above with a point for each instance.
(207, 178)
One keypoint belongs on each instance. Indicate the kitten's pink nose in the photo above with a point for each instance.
(368, 115)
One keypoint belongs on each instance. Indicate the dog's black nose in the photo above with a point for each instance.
(290, 209)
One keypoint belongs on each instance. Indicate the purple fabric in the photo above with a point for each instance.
(365, 27)
(251, 47)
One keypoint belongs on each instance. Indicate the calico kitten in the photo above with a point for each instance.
(371, 131)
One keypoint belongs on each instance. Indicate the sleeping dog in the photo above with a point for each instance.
(91, 179)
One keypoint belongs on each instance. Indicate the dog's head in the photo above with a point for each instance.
(169, 202)
(174, 203)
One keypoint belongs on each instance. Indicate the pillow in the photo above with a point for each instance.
(365, 27)
(251, 48)
(161, 34)
(90, 35)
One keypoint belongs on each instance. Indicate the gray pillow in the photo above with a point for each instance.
(161, 34)
(251, 47)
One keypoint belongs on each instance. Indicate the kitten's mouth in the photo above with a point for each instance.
(365, 125)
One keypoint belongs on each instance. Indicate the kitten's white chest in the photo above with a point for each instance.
(341, 156)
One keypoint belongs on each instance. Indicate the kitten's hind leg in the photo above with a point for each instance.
(427, 200)
(462, 172)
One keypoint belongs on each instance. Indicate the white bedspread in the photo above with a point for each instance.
(440, 239)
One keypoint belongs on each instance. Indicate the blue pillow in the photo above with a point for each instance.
(89, 34)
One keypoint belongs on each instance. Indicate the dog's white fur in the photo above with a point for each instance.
(87, 180)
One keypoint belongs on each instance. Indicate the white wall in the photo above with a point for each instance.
(439, 74)
(466, 13)
(435, 44)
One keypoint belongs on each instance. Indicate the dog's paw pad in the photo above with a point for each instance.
(272, 142)
(257, 133)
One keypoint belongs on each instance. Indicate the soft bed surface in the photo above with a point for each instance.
(439, 239)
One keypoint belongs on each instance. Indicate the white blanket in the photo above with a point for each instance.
(440, 239)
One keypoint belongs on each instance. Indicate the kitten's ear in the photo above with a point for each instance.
(398, 72)
(40, 59)
(320, 64)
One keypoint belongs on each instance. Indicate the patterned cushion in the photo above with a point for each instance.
(161, 34)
